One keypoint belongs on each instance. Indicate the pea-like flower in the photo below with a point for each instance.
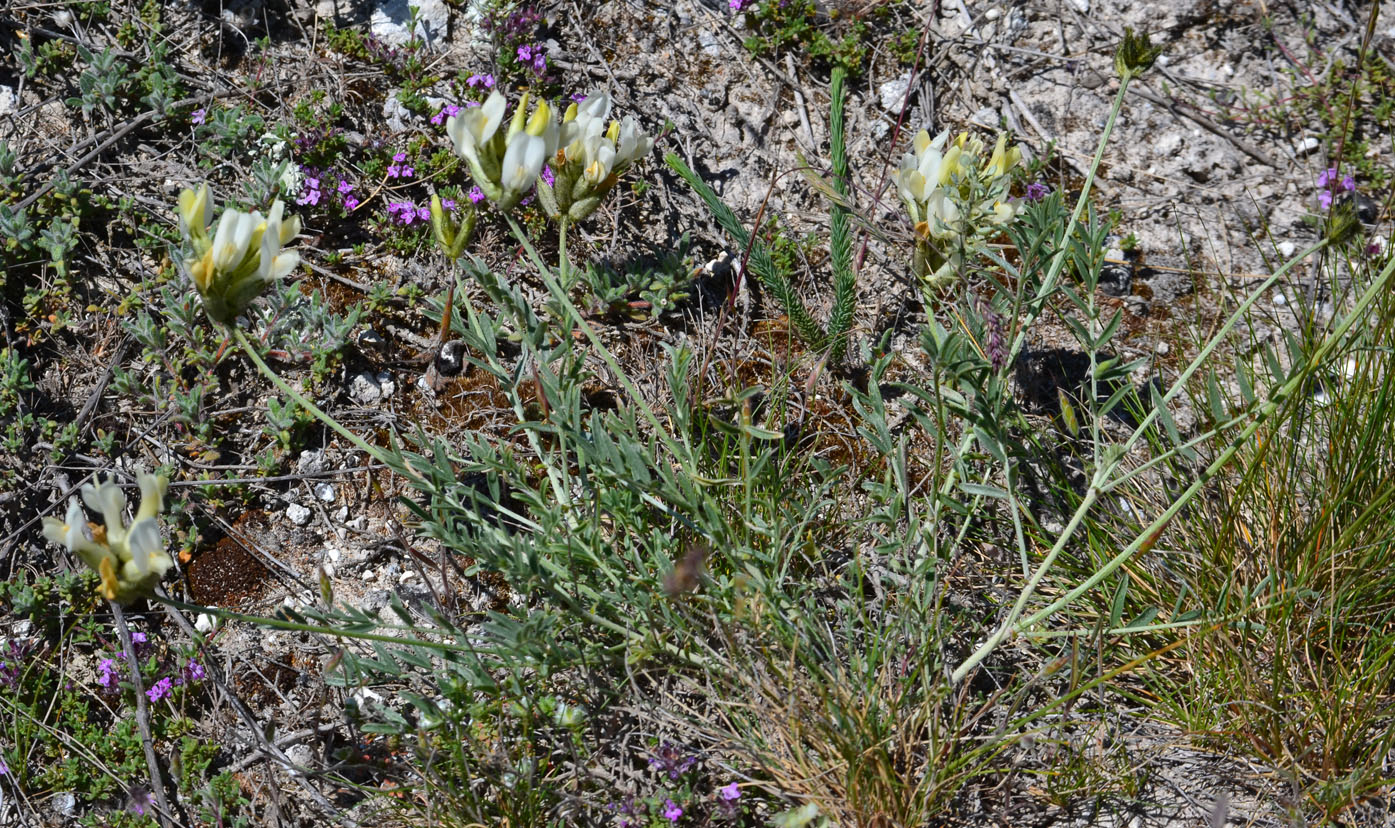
(955, 199)
(242, 257)
(131, 560)
(504, 164)
(591, 158)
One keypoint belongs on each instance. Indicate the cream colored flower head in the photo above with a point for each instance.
(243, 255)
(591, 158)
(130, 559)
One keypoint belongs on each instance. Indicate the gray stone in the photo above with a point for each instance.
(392, 19)
(367, 388)
(297, 514)
(324, 492)
(9, 101)
(893, 93)
(311, 461)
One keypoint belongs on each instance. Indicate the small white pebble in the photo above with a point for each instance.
(993, 14)
(1287, 248)
(406, 576)
(1280, 299)
(206, 623)
(297, 514)
(334, 554)
(324, 492)
(370, 575)
(327, 569)
(1307, 145)
(1162, 348)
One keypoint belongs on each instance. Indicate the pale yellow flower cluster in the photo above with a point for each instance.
(585, 155)
(131, 560)
(955, 194)
(591, 158)
(231, 267)
(504, 163)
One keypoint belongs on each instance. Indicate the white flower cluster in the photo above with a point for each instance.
(130, 559)
(955, 197)
(243, 255)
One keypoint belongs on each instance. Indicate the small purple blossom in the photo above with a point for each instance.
(1036, 191)
(140, 644)
(448, 111)
(160, 689)
(309, 188)
(424, 213)
(139, 801)
(578, 97)
(486, 81)
(671, 810)
(736, 5)
(106, 675)
(405, 212)
(670, 758)
(1328, 184)
(4, 768)
(344, 187)
(476, 195)
(193, 671)
(350, 203)
(547, 175)
(731, 792)
(448, 203)
(198, 115)
(399, 168)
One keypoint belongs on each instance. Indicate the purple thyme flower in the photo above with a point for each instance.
(350, 203)
(547, 175)
(424, 213)
(139, 801)
(671, 759)
(160, 689)
(671, 810)
(1327, 183)
(345, 187)
(193, 671)
(198, 115)
(106, 669)
(448, 203)
(1036, 191)
(476, 195)
(731, 792)
(140, 644)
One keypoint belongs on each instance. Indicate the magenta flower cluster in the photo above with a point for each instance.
(400, 168)
(405, 212)
(108, 673)
(1327, 183)
(534, 56)
(1036, 191)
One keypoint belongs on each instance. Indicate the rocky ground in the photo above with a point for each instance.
(1210, 175)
